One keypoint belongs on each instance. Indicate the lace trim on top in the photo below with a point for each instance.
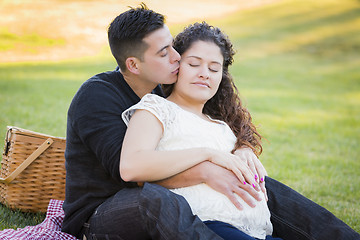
(156, 105)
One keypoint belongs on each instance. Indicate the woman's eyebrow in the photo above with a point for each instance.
(199, 58)
(194, 57)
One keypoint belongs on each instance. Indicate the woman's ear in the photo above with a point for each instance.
(132, 65)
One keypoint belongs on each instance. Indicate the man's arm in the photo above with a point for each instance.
(218, 178)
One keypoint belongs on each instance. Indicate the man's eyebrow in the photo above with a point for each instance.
(162, 49)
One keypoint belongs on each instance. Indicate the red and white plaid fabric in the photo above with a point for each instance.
(50, 228)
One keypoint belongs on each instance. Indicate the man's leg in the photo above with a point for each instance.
(118, 218)
(296, 217)
(169, 216)
(151, 212)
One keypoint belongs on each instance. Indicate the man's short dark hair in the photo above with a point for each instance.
(127, 31)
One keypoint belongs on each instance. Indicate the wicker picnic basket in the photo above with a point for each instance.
(32, 170)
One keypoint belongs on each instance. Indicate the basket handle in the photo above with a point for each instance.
(28, 161)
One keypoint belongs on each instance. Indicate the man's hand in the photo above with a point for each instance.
(218, 178)
(248, 156)
(225, 182)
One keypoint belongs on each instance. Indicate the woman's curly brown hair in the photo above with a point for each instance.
(225, 105)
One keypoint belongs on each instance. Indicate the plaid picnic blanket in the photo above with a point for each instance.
(50, 228)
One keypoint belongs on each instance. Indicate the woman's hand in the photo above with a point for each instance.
(235, 164)
(249, 157)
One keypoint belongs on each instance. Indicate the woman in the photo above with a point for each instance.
(197, 122)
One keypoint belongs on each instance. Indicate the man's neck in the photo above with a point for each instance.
(141, 88)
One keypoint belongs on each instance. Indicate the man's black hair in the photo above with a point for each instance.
(127, 31)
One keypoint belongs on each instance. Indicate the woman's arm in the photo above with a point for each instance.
(140, 161)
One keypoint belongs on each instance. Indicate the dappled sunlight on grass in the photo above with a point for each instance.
(314, 29)
(317, 41)
(352, 98)
(28, 42)
(302, 118)
(81, 26)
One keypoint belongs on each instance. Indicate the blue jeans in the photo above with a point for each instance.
(151, 212)
(295, 217)
(154, 212)
(229, 232)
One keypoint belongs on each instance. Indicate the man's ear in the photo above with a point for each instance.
(132, 65)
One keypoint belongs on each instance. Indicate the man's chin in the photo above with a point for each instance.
(170, 80)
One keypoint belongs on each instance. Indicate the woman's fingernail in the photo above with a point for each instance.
(262, 179)
(256, 176)
(244, 183)
(254, 185)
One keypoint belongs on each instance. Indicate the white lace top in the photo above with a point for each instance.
(182, 130)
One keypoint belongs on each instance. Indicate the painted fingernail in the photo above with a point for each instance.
(256, 176)
(254, 185)
(244, 183)
(262, 179)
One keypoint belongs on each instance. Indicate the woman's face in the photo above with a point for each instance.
(200, 71)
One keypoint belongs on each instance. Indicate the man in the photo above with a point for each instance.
(98, 202)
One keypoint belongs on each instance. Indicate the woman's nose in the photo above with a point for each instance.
(204, 73)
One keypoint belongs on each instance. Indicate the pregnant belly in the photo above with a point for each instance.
(209, 204)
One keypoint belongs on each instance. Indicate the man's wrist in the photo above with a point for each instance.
(203, 171)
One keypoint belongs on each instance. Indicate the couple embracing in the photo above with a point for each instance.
(180, 128)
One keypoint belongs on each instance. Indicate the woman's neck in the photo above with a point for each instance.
(187, 104)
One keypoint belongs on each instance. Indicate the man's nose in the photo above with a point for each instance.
(175, 56)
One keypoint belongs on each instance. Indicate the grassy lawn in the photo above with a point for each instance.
(298, 70)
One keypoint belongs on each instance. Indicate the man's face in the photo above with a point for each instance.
(160, 61)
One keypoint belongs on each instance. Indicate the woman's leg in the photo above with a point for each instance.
(272, 238)
(227, 231)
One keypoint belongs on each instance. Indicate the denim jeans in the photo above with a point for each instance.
(295, 217)
(153, 212)
(229, 232)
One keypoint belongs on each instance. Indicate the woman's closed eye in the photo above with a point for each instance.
(213, 70)
(193, 65)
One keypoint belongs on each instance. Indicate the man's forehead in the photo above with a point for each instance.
(159, 38)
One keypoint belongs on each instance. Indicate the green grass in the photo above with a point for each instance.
(37, 95)
(28, 42)
(298, 70)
